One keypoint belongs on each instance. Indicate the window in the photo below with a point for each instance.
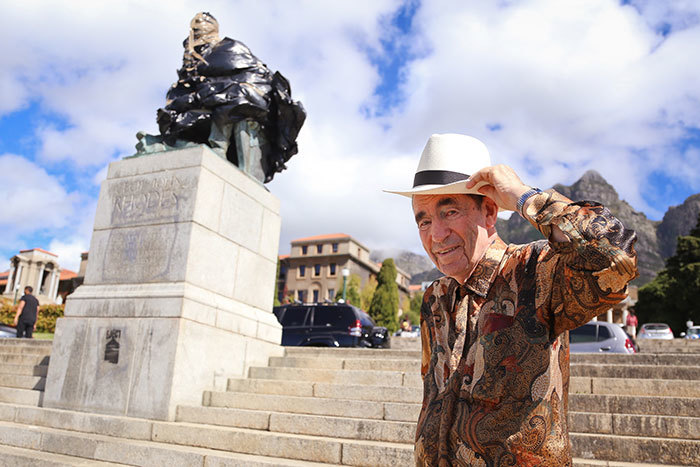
(335, 248)
(302, 270)
(585, 333)
(315, 296)
(603, 333)
(301, 295)
(294, 316)
(304, 249)
(317, 270)
(334, 316)
(331, 269)
(331, 294)
(319, 249)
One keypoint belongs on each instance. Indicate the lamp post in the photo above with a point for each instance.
(346, 273)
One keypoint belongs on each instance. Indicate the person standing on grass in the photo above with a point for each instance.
(25, 318)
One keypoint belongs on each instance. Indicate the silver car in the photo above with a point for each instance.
(600, 336)
(655, 331)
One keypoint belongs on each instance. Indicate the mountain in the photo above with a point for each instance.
(426, 276)
(406, 260)
(656, 241)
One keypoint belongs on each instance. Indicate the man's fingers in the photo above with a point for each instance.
(479, 176)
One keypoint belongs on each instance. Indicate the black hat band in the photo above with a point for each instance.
(437, 177)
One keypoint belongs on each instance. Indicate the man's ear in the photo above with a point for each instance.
(490, 212)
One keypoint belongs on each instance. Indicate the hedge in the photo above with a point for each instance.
(46, 321)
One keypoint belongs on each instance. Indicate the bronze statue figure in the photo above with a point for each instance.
(227, 98)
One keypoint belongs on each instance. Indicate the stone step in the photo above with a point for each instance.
(345, 352)
(411, 394)
(355, 377)
(296, 446)
(602, 370)
(22, 381)
(117, 450)
(643, 405)
(669, 346)
(12, 456)
(577, 462)
(316, 425)
(24, 350)
(580, 397)
(619, 370)
(637, 359)
(638, 387)
(24, 359)
(314, 406)
(635, 448)
(21, 396)
(404, 365)
(652, 426)
(13, 341)
(27, 370)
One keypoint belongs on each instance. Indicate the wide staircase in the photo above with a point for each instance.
(353, 407)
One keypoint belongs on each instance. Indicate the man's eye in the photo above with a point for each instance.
(451, 212)
(424, 224)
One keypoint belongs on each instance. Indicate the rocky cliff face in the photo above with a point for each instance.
(678, 220)
(656, 241)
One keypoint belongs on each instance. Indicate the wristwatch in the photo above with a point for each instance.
(525, 196)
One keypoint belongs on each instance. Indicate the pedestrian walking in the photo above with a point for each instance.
(25, 318)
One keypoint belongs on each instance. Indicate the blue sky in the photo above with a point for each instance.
(553, 87)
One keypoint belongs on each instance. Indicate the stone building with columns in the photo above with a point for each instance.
(36, 268)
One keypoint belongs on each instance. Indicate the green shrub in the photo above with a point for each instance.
(46, 321)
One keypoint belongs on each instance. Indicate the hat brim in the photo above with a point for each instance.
(458, 187)
(455, 188)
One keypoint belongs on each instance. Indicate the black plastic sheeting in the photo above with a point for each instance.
(230, 85)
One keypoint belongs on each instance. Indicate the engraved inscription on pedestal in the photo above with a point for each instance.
(145, 254)
(151, 199)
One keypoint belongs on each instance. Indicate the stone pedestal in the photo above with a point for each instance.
(178, 290)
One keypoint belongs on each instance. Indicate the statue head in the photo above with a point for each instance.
(204, 30)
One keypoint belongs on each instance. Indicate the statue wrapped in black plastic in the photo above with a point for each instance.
(227, 98)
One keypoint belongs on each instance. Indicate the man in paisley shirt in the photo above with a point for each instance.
(494, 330)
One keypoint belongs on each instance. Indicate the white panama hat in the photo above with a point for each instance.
(448, 160)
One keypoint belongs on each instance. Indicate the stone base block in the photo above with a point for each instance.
(144, 367)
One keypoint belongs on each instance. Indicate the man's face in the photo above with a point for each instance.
(453, 230)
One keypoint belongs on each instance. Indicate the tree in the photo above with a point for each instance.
(367, 293)
(385, 301)
(673, 296)
(413, 312)
(276, 301)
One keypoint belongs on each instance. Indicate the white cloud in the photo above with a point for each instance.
(69, 252)
(32, 199)
(574, 85)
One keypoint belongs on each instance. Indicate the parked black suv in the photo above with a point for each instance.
(329, 325)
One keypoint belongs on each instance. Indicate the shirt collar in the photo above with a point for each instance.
(485, 272)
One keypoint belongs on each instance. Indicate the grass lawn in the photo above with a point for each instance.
(43, 335)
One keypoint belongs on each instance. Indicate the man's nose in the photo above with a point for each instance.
(440, 231)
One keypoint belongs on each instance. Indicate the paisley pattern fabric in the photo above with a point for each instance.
(495, 358)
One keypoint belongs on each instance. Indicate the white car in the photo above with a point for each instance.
(655, 331)
(693, 332)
